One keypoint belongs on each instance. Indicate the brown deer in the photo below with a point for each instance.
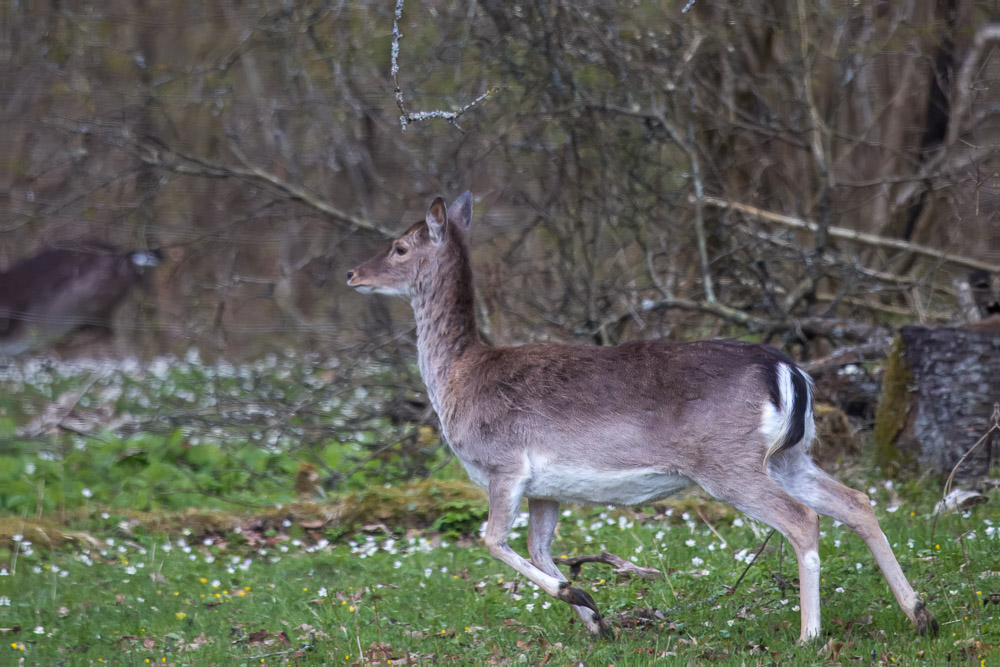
(623, 425)
(61, 289)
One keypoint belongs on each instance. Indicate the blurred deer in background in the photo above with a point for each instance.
(985, 287)
(61, 289)
(622, 425)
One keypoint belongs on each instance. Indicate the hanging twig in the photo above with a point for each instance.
(406, 117)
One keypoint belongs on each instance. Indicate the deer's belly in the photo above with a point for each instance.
(592, 486)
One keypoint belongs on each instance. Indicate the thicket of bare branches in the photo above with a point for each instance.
(817, 174)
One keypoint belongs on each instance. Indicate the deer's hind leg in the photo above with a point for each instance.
(803, 480)
(542, 518)
(758, 496)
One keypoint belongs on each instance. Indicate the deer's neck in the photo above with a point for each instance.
(444, 309)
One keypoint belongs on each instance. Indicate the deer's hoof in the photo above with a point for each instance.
(577, 596)
(926, 624)
(605, 630)
(597, 625)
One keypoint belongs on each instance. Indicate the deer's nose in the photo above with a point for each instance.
(350, 274)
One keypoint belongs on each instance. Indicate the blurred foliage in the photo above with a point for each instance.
(173, 434)
(610, 121)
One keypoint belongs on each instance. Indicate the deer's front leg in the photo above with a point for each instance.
(542, 518)
(505, 496)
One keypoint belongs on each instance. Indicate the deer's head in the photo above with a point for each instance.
(397, 269)
(986, 292)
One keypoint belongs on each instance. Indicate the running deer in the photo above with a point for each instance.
(62, 289)
(623, 425)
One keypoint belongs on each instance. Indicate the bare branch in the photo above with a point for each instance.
(850, 234)
(870, 351)
(988, 34)
(189, 165)
(620, 565)
(406, 117)
(833, 328)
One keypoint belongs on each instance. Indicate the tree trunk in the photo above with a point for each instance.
(938, 397)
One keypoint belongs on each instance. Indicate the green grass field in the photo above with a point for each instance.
(148, 577)
(423, 598)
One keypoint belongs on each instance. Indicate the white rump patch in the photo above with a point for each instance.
(776, 421)
(771, 422)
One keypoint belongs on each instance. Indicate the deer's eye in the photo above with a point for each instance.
(400, 250)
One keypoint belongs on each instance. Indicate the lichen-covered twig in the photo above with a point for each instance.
(406, 117)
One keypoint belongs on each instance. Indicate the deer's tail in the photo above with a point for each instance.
(788, 417)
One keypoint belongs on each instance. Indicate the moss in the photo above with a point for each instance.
(893, 409)
(41, 533)
(415, 505)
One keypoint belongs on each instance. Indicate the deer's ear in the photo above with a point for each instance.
(437, 221)
(460, 212)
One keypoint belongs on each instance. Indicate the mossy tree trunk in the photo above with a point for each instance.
(938, 393)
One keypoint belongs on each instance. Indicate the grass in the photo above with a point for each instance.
(109, 555)
(292, 597)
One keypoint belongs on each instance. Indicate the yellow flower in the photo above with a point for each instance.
(180, 615)
(203, 580)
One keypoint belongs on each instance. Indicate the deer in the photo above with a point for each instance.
(621, 425)
(64, 288)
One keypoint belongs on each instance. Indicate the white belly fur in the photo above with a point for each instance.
(590, 486)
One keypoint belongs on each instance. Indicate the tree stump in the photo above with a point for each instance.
(938, 395)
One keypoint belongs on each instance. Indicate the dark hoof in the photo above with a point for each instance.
(578, 597)
(606, 631)
(926, 624)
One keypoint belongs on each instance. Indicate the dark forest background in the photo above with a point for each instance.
(810, 174)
